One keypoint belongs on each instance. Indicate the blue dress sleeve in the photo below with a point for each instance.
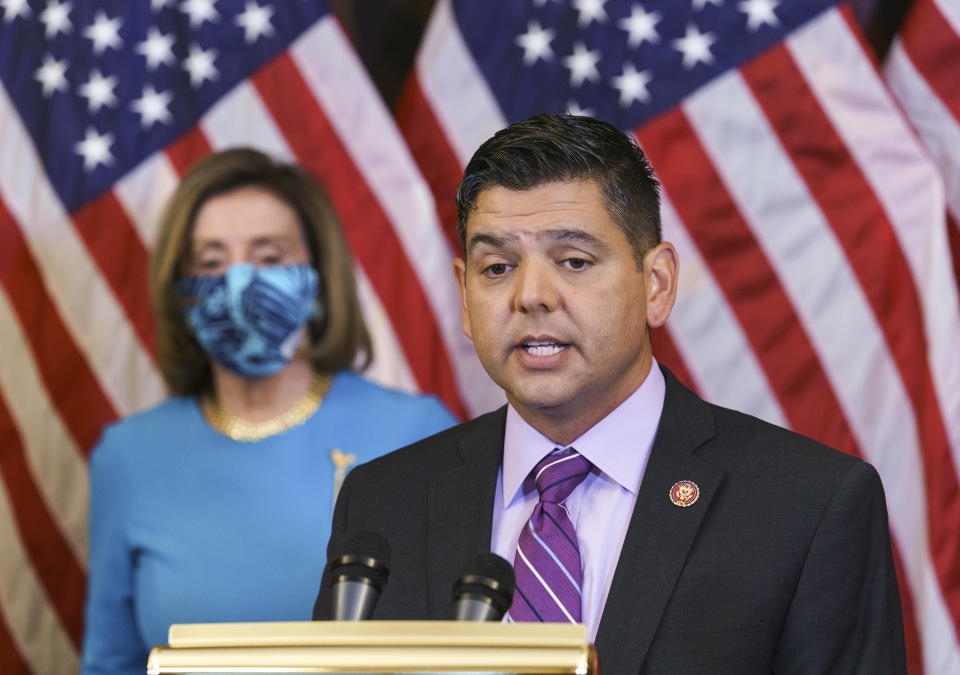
(111, 643)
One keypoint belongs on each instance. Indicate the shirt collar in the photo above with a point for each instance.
(618, 445)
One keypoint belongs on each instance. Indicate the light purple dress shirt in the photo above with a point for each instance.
(601, 506)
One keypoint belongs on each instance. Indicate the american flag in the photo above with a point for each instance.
(103, 106)
(923, 70)
(816, 287)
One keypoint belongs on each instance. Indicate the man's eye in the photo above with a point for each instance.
(496, 269)
(575, 263)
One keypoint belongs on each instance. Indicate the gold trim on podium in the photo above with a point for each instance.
(375, 647)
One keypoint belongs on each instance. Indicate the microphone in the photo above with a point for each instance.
(359, 567)
(484, 590)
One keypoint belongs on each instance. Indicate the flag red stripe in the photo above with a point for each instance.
(871, 246)
(370, 235)
(667, 353)
(436, 159)
(75, 391)
(116, 248)
(953, 236)
(11, 663)
(746, 278)
(934, 48)
(51, 557)
(187, 150)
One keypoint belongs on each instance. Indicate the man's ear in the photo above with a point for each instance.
(460, 272)
(660, 267)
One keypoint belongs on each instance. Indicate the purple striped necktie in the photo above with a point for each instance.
(547, 563)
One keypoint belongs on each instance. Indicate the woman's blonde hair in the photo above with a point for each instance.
(337, 337)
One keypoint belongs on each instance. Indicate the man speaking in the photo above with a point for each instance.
(687, 537)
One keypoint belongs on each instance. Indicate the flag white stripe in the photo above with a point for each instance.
(83, 299)
(825, 293)
(36, 629)
(951, 12)
(937, 126)
(56, 463)
(389, 366)
(708, 335)
(241, 118)
(143, 192)
(454, 87)
(903, 179)
(378, 150)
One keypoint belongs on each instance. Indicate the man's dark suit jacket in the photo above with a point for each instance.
(782, 565)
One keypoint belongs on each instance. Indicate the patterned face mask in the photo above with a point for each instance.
(251, 320)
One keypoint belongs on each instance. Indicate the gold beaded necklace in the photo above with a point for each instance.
(247, 432)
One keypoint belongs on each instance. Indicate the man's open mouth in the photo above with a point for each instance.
(543, 347)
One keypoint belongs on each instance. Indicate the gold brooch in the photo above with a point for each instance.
(342, 461)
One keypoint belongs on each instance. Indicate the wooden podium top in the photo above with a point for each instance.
(374, 647)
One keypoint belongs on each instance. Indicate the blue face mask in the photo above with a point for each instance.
(251, 320)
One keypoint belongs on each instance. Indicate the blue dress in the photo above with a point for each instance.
(187, 525)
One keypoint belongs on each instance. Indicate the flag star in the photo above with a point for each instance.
(632, 85)
(200, 65)
(582, 64)
(573, 108)
(52, 75)
(641, 25)
(98, 91)
(590, 10)
(56, 18)
(536, 43)
(695, 47)
(152, 107)
(157, 5)
(698, 5)
(95, 149)
(200, 11)
(104, 33)
(14, 8)
(157, 48)
(760, 12)
(255, 21)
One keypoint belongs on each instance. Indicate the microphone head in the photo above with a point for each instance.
(360, 556)
(489, 578)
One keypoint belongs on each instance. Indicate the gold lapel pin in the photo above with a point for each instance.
(684, 493)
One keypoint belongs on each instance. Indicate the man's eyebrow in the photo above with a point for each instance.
(496, 241)
(573, 234)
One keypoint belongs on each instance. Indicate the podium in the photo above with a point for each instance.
(375, 647)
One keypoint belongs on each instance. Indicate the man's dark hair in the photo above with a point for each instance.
(556, 148)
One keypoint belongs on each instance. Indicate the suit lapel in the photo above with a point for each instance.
(460, 509)
(660, 534)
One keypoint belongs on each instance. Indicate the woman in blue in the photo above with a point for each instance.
(216, 504)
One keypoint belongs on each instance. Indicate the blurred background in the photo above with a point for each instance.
(809, 153)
